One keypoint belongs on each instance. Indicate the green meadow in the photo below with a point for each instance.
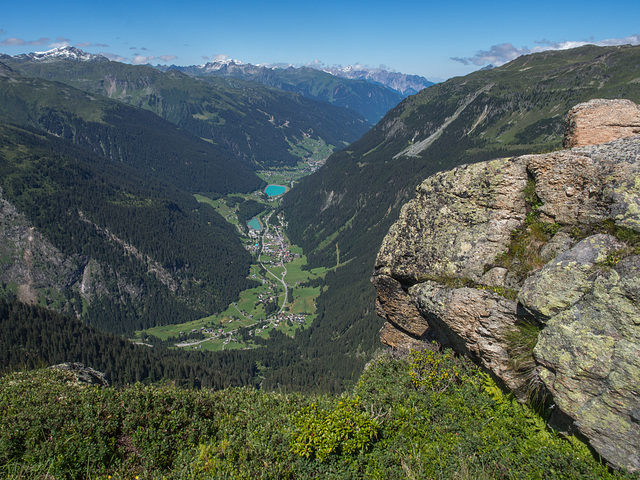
(249, 311)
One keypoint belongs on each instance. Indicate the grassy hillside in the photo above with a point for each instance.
(342, 212)
(422, 415)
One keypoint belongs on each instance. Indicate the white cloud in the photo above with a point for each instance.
(13, 41)
(316, 64)
(219, 57)
(59, 44)
(40, 41)
(496, 55)
(141, 59)
(114, 57)
(505, 52)
(167, 58)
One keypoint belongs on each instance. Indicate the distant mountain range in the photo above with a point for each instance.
(68, 53)
(400, 82)
(370, 92)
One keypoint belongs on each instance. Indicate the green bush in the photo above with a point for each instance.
(433, 370)
(343, 429)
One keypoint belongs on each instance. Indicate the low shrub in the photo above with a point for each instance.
(417, 414)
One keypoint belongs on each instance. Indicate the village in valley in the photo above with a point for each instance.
(284, 294)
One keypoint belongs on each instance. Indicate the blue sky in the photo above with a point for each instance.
(437, 40)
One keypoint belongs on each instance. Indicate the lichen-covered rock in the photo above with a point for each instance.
(472, 321)
(485, 247)
(590, 357)
(559, 243)
(458, 222)
(563, 281)
(83, 375)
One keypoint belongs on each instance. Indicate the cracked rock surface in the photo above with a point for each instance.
(542, 239)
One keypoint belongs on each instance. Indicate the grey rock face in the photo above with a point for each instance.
(458, 222)
(563, 281)
(537, 238)
(590, 354)
(83, 375)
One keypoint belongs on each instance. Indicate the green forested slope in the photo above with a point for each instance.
(257, 124)
(32, 337)
(342, 212)
(178, 261)
(130, 135)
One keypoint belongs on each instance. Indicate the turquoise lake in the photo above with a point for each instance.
(275, 190)
(254, 224)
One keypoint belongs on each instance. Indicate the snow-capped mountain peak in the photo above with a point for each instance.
(68, 52)
(220, 64)
(401, 82)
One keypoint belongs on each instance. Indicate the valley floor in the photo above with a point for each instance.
(284, 298)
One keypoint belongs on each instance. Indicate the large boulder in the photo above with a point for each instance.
(590, 358)
(545, 241)
(600, 121)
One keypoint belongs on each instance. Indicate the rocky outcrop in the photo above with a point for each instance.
(589, 353)
(600, 121)
(487, 253)
(83, 375)
(36, 272)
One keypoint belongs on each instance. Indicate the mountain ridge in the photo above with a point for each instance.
(371, 101)
(403, 83)
(68, 52)
(261, 125)
(112, 129)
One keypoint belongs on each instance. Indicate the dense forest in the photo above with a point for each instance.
(89, 206)
(32, 337)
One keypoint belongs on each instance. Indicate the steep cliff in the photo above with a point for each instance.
(529, 265)
(36, 272)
